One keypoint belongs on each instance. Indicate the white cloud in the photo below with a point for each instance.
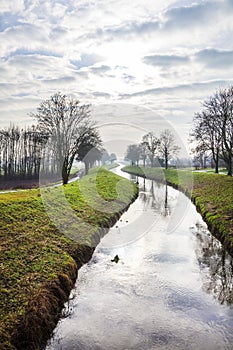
(215, 59)
(12, 6)
(166, 60)
(164, 55)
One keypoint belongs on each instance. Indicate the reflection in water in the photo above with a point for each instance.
(159, 296)
(216, 265)
(166, 206)
(152, 195)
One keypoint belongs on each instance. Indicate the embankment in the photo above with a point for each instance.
(211, 193)
(39, 263)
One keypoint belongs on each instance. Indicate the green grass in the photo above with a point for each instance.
(105, 166)
(74, 170)
(211, 170)
(182, 179)
(34, 252)
(212, 194)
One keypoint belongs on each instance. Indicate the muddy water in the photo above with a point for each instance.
(171, 289)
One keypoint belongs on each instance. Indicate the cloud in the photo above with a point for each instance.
(138, 28)
(166, 60)
(85, 60)
(7, 20)
(101, 94)
(166, 55)
(215, 59)
(184, 17)
(35, 63)
(23, 36)
(61, 81)
(58, 33)
(54, 10)
(128, 78)
(101, 70)
(189, 88)
(27, 52)
(126, 30)
(12, 6)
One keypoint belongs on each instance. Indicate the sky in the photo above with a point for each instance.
(140, 64)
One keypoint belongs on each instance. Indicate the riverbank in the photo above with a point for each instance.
(26, 184)
(211, 193)
(39, 264)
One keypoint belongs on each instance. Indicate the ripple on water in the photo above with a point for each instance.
(167, 258)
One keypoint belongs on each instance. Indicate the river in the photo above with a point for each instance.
(171, 289)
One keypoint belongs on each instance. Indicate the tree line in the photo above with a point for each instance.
(153, 150)
(21, 152)
(212, 130)
(64, 132)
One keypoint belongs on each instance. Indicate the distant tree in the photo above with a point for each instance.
(89, 148)
(167, 146)
(133, 153)
(67, 123)
(21, 152)
(151, 144)
(184, 162)
(200, 155)
(112, 157)
(105, 157)
(143, 152)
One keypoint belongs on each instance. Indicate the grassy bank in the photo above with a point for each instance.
(211, 193)
(39, 263)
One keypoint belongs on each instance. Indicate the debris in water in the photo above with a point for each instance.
(116, 259)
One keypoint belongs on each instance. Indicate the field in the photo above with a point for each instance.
(39, 262)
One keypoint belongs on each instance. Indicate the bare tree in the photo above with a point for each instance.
(225, 103)
(143, 152)
(105, 157)
(213, 127)
(200, 154)
(66, 122)
(151, 143)
(133, 153)
(112, 157)
(167, 146)
(20, 152)
(89, 147)
(207, 130)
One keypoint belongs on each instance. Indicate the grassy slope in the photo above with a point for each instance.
(212, 194)
(35, 255)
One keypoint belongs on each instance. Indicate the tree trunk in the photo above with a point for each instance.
(65, 175)
(86, 167)
(216, 163)
(166, 158)
(230, 166)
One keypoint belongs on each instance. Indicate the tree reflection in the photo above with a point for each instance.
(166, 206)
(155, 196)
(217, 266)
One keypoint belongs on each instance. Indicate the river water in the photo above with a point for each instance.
(171, 289)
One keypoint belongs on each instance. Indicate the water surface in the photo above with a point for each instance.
(171, 289)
